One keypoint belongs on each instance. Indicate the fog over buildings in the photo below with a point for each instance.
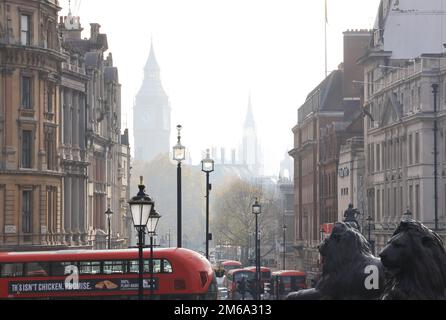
(212, 54)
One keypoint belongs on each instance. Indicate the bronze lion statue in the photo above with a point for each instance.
(346, 257)
(415, 264)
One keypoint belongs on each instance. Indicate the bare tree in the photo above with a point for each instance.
(235, 222)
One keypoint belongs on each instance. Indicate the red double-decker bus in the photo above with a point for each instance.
(113, 274)
(229, 265)
(265, 275)
(285, 282)
(233, 279)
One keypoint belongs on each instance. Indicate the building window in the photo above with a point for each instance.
(444, 93)
(378, 158)
(389, 212)
(50, 149)
(402, 199)
(26, 92)
(52, 209)
(417, 148)
(27, 149)
(50, 98)
(401, 153)
(411, 199)
(410, 150)
(395, 201)
(27, 212)
(419, 97)
(383, 157)
(417, 203)
(25, 26)
(378, 205)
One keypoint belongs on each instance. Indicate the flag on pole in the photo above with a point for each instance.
(326, 12)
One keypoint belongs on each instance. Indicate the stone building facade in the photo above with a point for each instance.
(60, 133)
(351, 178)
(74, 160)
(400, 139)
(30, 173)
(285, 239)
(95, 137)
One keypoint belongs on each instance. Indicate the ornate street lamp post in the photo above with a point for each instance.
(257, 210)
(207, 166)
(109, 214)
(141, 208)
(151, 228)
(179, 155)
(284, 245)
(370, 220)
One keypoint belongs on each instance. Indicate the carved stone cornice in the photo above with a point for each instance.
(6, 70)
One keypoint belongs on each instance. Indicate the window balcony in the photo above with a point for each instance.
(73, 68)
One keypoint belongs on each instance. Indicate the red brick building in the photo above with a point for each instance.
(335, 99)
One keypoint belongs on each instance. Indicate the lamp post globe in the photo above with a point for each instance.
(140, 207)
(179, 155)
(109, 214)
(207, 166)
(154, 218)
(179, 151)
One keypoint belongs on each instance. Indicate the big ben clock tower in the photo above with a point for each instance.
(151, 114)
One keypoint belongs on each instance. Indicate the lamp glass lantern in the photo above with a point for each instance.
(207, 164)
(141, 207)
(256, 208)
(179, 151)
(154, 218)
(109, 213)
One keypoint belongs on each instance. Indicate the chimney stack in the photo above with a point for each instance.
(355, 45)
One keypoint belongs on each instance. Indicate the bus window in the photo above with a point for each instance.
(12, 270)
(113, 267)
(89, 267)
(266, 275)
(37, 269)
(297, 283)
(167, 267)
(158, 266)
(58, 268)
(134, 266)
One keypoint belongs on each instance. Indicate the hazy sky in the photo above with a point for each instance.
(213, 53)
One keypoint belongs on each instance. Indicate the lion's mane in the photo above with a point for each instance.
(415, 264)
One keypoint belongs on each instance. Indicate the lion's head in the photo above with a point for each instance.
(343, 248)
(415, 263)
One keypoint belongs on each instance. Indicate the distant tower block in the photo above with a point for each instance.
(234, 156)
(223, 156)
(151, 114)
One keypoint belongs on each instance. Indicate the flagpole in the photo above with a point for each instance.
(326, 45)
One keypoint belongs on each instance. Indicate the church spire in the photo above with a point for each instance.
(249, 121)
(152, 64)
